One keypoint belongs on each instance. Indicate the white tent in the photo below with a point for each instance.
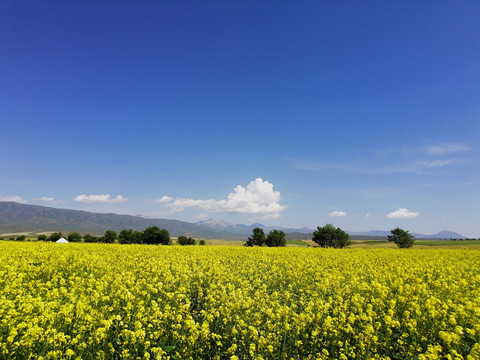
(62, 241)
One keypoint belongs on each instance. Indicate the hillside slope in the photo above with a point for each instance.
(15, 217)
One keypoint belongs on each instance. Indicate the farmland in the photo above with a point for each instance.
(84, 301)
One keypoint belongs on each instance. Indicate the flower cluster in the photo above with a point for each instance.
(99, 301)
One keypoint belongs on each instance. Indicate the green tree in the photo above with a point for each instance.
(129, 236)
(257, 239)
(110, 236)
(201, 242)
(21, 238)
(276, 238)
(329, 236)
(90, 238)
(154, 235)
(183, 240)
(402, 238)
(42, 237)
(74, 237)
(55, 236)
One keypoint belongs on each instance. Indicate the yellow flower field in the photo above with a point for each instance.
(93, 301)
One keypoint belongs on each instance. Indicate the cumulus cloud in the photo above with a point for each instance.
(48, 199)
(402, 213)
(257, 198)
(13, 198)
(442, 149)
(337, 214)
(163, 199)
(106, 198)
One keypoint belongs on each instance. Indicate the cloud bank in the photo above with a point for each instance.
(402, 213)
(258, 197)
(50, 200)
(95, 199)
(13, 198)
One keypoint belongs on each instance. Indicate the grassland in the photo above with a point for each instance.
(94, 301)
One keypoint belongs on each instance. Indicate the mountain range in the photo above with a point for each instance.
(16, 217)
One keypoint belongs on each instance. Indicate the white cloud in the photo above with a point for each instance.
(367, 215)
(50, 200)
(106, 198)
(257, 198)
(163, 199)
(402, 213)
(439, 163)
(202, 216)
(13, 198)
(337, 214)
(446, 148)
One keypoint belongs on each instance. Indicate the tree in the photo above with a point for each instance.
(275, 238)
(257, 239)
(74, 237)
(183, 240)
(90, 238)
(401, 238)
(21, 238)
(42, 237)
(201, 242)
(329, 236)
(154, 235)
(110, 236)
(55, 236)
(129, 236)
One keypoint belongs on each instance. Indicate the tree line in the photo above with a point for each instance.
(152, 235)
(326, 236)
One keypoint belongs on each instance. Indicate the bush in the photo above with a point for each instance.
(201, 242)
(328, 236)
(90, 238)
(21, 238)
(74, 237)
(42, 237)
(55, 236)
(183, 240)
(129, 236)
(401, 238)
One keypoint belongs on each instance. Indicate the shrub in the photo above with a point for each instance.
(55, 236)
(183, 240)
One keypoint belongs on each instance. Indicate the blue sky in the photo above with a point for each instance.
(295, 113)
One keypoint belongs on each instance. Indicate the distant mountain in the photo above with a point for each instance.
(15, 217)
(444, 234)
(246, 230)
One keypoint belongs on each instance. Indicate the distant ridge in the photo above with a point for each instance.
(16, 217)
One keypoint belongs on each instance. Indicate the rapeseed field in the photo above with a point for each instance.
(94, 301)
